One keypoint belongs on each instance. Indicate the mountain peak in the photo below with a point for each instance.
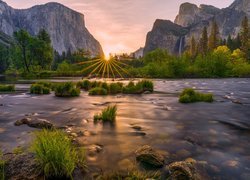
(190, 14)
(241, 5)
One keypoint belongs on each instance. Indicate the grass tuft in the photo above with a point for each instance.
(108, 114)
(67, 89)
(7, 88)
(191, 96)
(39, 89)
(98, 91)
(55, 153)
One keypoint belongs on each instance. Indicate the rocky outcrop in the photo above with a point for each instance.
(65, 26)
(190, 21)
(190, 14)
(165, 35)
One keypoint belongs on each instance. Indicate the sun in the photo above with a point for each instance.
(107, 67)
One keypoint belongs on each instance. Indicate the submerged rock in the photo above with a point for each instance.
(149, 156)
(189, 169)
(21, 167)
(94, 149)
(35, 123)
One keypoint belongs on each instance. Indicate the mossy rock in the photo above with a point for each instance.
(150, 157)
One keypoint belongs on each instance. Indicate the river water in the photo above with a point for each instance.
(218, 133)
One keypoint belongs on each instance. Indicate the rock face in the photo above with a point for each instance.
(165, 35)
(190, 21)
(65, 26)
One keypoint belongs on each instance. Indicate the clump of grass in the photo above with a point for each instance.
(190, 96)
(86, 85)
(98, 91)
(7, 88)
(108, 114)
(115, 88)
(147, 85)
(2, 163)
(55, 153)
(39, 89)
(67, 89)
(138, 88)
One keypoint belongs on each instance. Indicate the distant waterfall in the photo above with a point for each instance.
(181, 45)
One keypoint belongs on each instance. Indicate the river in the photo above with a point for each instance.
(218, 133)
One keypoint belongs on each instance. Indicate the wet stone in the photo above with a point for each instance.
(188, 169)
(149, 156)
(138, 128)
(35, 123)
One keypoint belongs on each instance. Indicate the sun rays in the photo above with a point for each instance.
(106, 68)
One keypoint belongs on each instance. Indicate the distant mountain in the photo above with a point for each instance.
(190, 21)
(65, 26)
(138, 53)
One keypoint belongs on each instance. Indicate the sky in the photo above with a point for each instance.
(121, 26)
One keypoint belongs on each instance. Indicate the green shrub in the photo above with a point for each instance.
(132, 88)
(115, 88)
(7, 88)
(39, 89)
(67, 89)
(108, 114)
(98, 91)
(86, 85)
(147, 85)
(2, 162)
(190, 96)
(54, 153)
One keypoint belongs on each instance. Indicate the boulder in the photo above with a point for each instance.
(147, 155)
(35, 123)
(189, 169)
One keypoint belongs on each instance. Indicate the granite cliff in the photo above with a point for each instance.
(174, 36)
(65, 26)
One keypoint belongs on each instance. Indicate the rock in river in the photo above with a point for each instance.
(147, 155)
(188, 169)
(35, 123)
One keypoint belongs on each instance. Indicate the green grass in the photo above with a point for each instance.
(55, 153)
(191, 96)
(108, 114)
(138, 88)
(98, 91)
(67, 89)
(147, 85)
(39, 89)
(7, 88)
(115, 88)
(2, 162)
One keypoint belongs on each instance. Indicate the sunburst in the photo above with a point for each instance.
(106, 68)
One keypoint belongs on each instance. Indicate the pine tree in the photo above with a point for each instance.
(214, 38)
(204, 42)
(245, 37)
(192, 47)
(230, 43)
